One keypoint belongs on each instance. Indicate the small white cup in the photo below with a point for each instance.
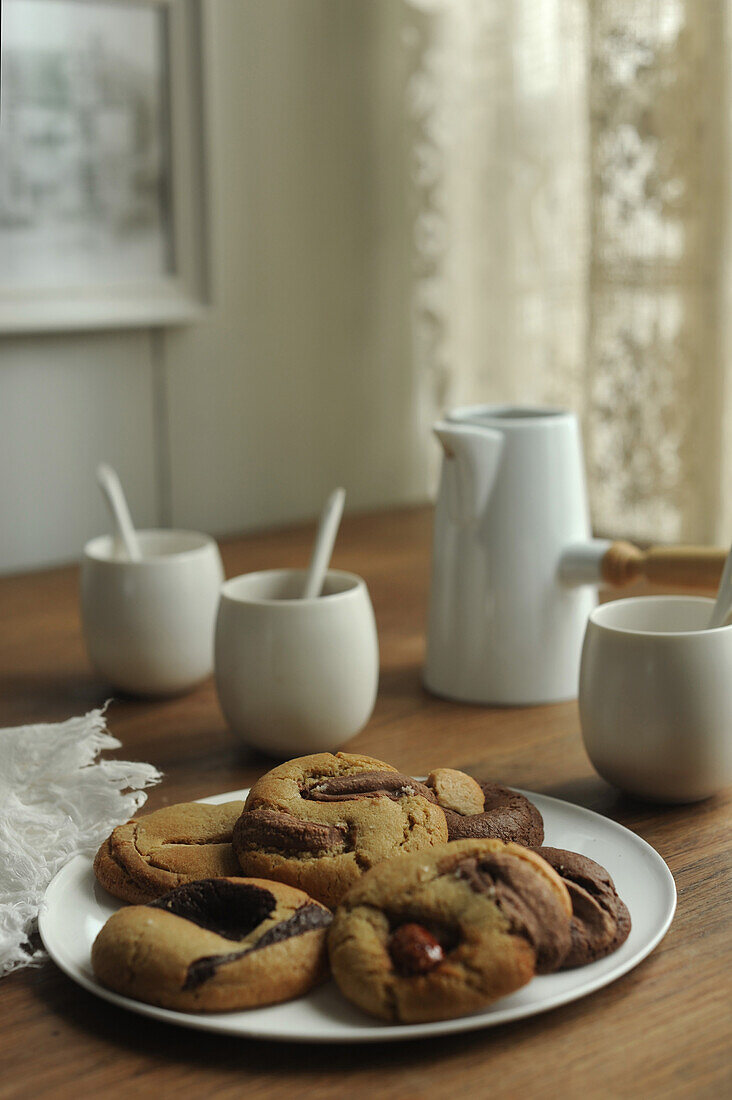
(655, 697)
(149, 624)
(296, 676)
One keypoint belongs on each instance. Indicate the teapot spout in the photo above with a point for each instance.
(472, 458)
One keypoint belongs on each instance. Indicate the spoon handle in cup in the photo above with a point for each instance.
(324, 541)
(114, 495)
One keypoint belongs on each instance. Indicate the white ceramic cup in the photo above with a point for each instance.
(149, 624)
(655, 697)
(296, 676)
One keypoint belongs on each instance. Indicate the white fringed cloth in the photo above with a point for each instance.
(56, 800)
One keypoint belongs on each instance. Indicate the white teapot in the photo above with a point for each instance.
(515, 568)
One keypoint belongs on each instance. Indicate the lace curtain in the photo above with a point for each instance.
(571, 165)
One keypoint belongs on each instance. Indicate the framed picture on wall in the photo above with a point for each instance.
(102, 164)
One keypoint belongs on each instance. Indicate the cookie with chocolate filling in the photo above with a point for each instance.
(215, 945)
(151, 855)
(446, 932)
(600, 919)
(319, 822)
(505, 815)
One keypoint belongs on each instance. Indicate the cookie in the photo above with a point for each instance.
(600, 919)
(319, 822)
(506, 815)
(146, 858)
(457, 791)
(446, 932)
(215, 945)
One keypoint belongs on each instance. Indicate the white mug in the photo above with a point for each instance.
(293, 675)
(655, 697)
(149, 624)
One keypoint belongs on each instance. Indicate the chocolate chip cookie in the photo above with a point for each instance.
(445, 932)
(505, 815)
(215, 945)
(600, 919)
(319, 822)
(150, 856)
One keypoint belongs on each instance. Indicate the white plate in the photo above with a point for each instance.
(76, 908)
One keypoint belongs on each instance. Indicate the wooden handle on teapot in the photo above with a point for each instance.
(667, 566)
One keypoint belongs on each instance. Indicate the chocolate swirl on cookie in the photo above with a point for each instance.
(230, 909)
(214, 945)
(234, 910)
(373, 784)
(319, 822)
(261, 830)
(524, 900)
(305, 919)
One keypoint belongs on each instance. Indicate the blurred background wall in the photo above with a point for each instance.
(300, 377)
(417, 204)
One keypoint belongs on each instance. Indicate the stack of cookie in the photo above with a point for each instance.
(426, 900)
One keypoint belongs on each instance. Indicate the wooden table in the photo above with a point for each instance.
(662, 1030)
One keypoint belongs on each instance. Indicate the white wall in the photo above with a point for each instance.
(66, 402)
(300, 378)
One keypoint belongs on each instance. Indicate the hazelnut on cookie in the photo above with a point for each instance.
(446, 932)
(319, 822)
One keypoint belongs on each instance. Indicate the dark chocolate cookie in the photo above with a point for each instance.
(600, 919)
(215, 945)
(319, 822)
(506, 815)
(445, 932)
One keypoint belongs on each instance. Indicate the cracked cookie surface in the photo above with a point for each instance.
(215, 945)
(151, 855)
(319, 822)
(444, 933)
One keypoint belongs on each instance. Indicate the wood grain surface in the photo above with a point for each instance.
(664, 1030)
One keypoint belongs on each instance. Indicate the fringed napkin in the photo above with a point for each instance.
(56, 800)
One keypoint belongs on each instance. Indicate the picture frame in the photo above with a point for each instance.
(158, 272)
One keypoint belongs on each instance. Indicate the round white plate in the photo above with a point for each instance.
(76, 907)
